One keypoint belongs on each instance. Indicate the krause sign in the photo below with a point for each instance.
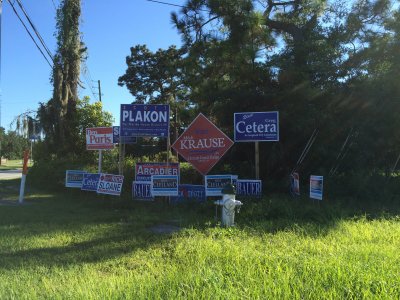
(74, 178)
(110, 184)
(164, 185)
(144, 171)
(125, 140)
(99, 138)
(256, 126)
(202, 144)
(215, 183)
(144, 120)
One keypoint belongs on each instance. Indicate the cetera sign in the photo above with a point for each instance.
(143, 120)
(99, 138)
(256, 126)
(202, 144)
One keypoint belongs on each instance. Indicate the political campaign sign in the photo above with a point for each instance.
(144, 120)
(202, 144)
(144, 171)
(248, 188)
(141, 190)
(295, 183)
(74, 178)
(316, 187)
(110, 184)
(164, 185)
(256, 126)
(99, 138)
(189, 193)
(90, 182)
(215, 183)
(125, 139)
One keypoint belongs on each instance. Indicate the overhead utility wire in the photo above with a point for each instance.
(35, 30)
(172, 4)
(16, 13)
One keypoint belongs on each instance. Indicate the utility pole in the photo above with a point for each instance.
(98, 81)
(100, 151)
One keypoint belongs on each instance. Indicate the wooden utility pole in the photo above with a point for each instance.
(98, 82)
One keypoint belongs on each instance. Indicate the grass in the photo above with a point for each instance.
(11, 165)
(76, 245)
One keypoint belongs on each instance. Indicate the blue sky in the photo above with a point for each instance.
(109, 29)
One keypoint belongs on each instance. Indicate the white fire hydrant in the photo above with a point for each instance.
(228, 204)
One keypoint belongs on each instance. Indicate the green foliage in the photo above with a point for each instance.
(12, 145)
(87, 115)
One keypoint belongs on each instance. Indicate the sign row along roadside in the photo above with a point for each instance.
(161, 185)
(108, 184)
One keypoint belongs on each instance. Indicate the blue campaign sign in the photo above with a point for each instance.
(124, 140)
(215, 183)
(248, 188)
(74, 178)
(316, 187)
(256, 126)
(141, 190)
(189, 193)
(90, 182)
(164, 185)
(144, 120)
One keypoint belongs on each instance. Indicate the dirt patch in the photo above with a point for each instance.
(164, 229)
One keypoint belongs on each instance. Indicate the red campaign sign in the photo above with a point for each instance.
(99, 138)
(202, 144)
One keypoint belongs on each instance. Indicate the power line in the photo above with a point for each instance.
(172, 4)
(27, 30)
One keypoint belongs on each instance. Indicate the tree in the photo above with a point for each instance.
(87, 116)
(157, 77)
(59, 114)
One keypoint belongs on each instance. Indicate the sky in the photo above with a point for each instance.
(109, 29)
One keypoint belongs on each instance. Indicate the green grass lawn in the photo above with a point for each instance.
(11, 165)
(76, 245)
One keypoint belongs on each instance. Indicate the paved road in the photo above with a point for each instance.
(10, 174)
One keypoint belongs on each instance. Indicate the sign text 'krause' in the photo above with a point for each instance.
(202, 144)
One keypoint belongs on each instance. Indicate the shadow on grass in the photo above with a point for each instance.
(71, 212)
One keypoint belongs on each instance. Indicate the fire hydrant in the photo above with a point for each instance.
(228, 204)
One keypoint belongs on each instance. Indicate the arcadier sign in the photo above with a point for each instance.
(143, 120)
(202, 144)
(256, 126)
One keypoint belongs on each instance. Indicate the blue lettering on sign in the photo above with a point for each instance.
(190, 193)
(90, 182)
(256, 126)
(144, 120)
(74, 178)
(249, 188)
(142, 191)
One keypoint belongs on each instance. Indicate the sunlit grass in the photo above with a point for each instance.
(12, 165)
(78, 246)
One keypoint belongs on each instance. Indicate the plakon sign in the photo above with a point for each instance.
(202, 144)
